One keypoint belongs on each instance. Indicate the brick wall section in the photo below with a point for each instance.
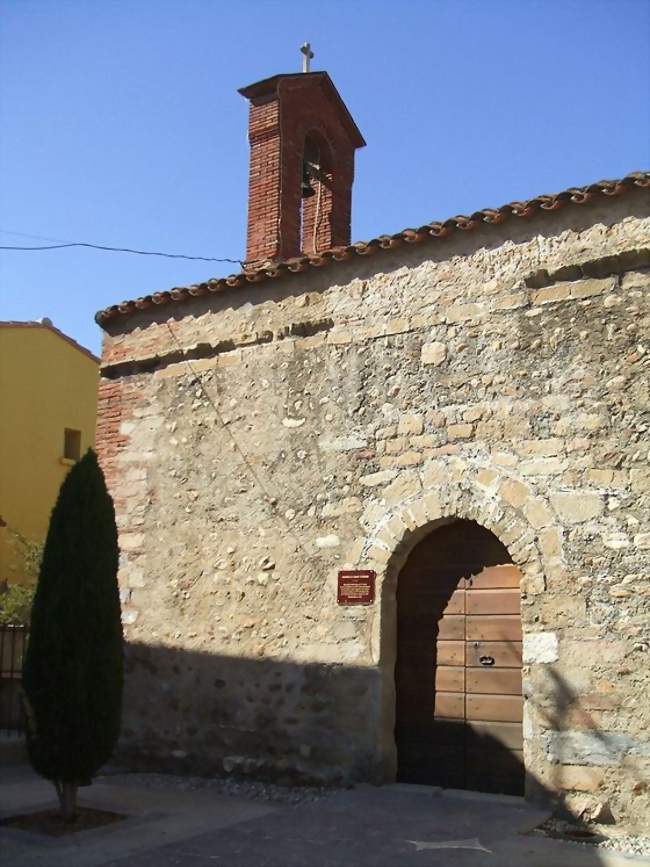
(111, 409)
(263, 240)
(117, 416)
(437, 385)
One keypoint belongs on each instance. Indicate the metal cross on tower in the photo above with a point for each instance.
(307, 55)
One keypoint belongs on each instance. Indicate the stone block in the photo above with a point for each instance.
(576, 507)
(474, 413)
(447, 449)
(436, 419)
(558, 611)
(533, 583)
(487, 478)
(599, 701)
(511, 302)
(616, 542)
(551, 294)
(347, 506)
(548, 447)
(432, 506)
(424, 441)
(538, 514)
(591, 421)
(372, 480)
(579, 778)
(398, 326)
(640, 480)
(417, 513)
(407, 484)
(464, 312)
(635, 280)
(379, 555)
(329, 541)
(135, 577)
(131, 541)
(409, 459)
(600, 748)
(434, 474)
(397, 528)
(541, 467)
(540, 647)
(397, 445)
(342, 444)
(514, 492)
(589, 654)
(589, 288)
(504, 459)
(555, 571)
(345, 630)
(340, 337)
(433, 353)
(601, 478)
(460, 431)
(550, 542)
(410, 425)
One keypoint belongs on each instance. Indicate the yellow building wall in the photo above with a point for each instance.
(46, 385)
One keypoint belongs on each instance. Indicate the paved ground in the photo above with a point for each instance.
(392, 826)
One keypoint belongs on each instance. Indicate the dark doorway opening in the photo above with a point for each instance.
(458, 671)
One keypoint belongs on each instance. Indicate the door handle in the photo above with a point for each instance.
(486, 660)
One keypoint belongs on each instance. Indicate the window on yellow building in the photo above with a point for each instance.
(71, 444)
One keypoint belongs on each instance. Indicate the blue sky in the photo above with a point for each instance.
(120, 123)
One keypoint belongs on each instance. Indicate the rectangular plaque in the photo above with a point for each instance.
(356, 587)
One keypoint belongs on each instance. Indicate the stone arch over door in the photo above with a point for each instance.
(386, 549)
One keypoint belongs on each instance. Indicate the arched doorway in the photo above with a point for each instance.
(458, 670)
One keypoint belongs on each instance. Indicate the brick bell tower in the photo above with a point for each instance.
(302, 139)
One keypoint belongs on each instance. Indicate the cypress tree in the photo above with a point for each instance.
(72, 674)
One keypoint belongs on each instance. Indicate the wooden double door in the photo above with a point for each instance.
(458, 672)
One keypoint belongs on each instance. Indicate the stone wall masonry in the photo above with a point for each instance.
(245, 479)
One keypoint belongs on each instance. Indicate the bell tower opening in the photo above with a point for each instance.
(316, 196)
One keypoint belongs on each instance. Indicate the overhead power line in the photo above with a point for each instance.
(107, 249)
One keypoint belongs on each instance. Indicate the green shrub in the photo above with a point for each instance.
(16, 604)
(31, 554)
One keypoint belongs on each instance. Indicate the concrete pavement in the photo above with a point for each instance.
(390, 826)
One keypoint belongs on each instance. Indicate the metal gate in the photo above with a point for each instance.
(13, 641)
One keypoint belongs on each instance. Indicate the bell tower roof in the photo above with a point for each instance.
(270, 87)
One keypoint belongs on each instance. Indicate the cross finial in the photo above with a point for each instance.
(307, 54)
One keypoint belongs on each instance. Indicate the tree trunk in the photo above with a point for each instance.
(69, 801)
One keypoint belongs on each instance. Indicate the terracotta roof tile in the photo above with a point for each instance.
(434, 230)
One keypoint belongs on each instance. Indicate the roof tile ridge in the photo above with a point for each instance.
(435, 229)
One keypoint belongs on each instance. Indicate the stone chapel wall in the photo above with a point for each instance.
(323, 421)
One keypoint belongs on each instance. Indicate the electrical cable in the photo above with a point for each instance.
(106, 248)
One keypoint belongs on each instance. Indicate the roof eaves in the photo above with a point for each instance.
(437, 230)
